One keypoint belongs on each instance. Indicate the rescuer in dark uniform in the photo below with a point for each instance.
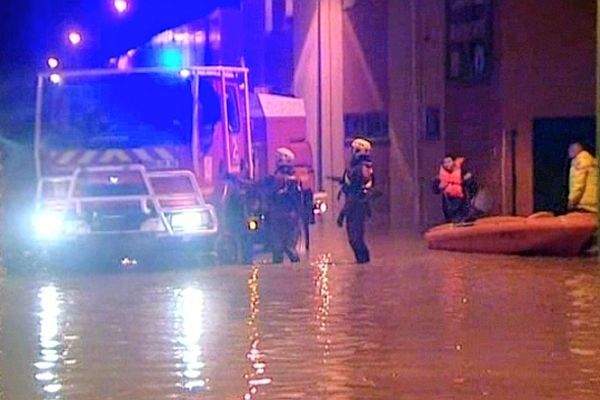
(357, 186)
(285, 202)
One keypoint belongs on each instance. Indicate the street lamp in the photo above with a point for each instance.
(52, 62)
(121, 6)
(75, 38)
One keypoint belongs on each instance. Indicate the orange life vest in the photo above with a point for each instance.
(452, 181)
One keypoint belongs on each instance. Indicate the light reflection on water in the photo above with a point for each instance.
(51, 342)
(583, 291)
(323, 299)
(422, 325)
(255, 376)
(189, 319)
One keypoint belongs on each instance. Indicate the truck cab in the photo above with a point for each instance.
(151, 151)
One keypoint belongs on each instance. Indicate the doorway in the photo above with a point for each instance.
(551, 139)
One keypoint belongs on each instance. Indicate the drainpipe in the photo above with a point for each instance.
(416, 109)
(319, 102)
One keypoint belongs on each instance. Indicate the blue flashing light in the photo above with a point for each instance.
(170, 58)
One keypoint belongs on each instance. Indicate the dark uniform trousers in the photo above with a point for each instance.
(356, 216)
(358, 183)
(285, 216)
(285, 233)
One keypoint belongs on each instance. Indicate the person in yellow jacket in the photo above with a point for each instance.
(583, 180)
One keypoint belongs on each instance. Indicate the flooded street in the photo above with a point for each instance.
(415, 324)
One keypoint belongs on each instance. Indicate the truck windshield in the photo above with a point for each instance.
(117, 111)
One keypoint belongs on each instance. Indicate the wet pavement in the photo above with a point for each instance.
(415, 324)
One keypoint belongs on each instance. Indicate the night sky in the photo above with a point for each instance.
(33, 29)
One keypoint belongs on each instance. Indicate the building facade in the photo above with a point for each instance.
(505, 83)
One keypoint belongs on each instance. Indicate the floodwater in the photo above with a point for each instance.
(415, 324)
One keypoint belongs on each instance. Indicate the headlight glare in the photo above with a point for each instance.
(191, 221)
(48, 224)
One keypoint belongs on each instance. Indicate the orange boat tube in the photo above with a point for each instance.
(540, 233)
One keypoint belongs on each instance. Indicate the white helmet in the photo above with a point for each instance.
(284, 157)
(361, 147)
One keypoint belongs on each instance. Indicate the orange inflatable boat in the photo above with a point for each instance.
(540, 233)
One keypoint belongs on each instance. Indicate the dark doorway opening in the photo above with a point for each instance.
(551, 139)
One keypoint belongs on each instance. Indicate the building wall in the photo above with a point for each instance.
(366, 84)
(416, 84)
(254, 40)
(305, 66)
(392, 59)
(547, 70)
(393, 63)
(365, 57)
(431, 94)
(403, 115)
(543, 67)
(268, 45)
(317, 79)
(473, 123)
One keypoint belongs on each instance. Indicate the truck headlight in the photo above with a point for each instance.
(319, 207)
(191, 221)
(252, 224)
(48, 224)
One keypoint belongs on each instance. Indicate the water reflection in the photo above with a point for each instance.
(455, 306)
(189, 319)
(51, 344)
(323, 300)
(424, 326)
(584, 318)
(255, 377)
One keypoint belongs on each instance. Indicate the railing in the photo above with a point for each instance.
(71, 201)
(214, 71)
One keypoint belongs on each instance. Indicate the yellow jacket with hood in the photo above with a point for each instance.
(583, 182)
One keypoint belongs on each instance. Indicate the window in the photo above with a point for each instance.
(233, 114)
(117, 111)
(106, 184)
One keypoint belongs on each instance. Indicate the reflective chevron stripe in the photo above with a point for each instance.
(142, 155)
(66, 157)
(164, 154)
(87, 157)
(111, 156)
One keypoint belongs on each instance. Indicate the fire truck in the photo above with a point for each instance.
(156, 152)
